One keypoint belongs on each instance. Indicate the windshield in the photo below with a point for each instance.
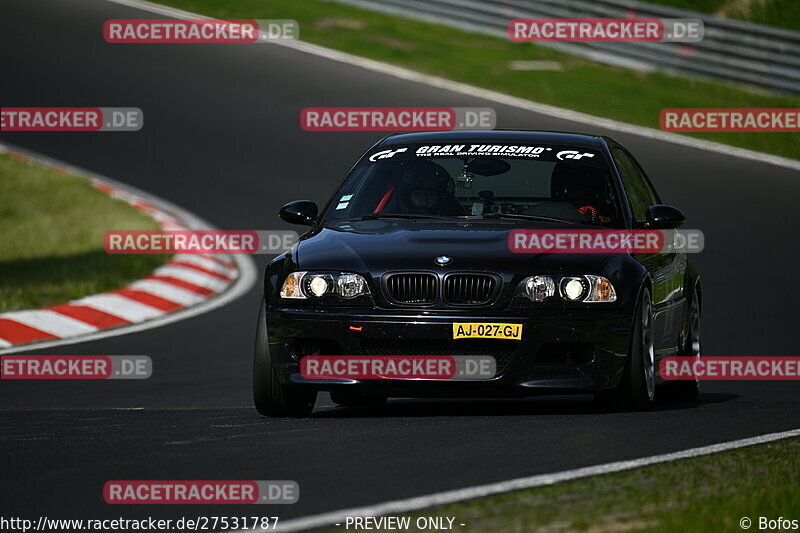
(480, 181)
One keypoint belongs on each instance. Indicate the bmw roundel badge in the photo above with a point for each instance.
(443, 260)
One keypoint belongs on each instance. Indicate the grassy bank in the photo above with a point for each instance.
(51, 238)
(581, 85)
(707, 494)
(782, 13)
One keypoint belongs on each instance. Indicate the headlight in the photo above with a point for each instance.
(574, 289)
(539, 288)
(602, 290)
(316, 284)
(304, 285)
(588, 288)
(351, 285)
(291, 287)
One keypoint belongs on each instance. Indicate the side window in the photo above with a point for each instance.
(640, 194)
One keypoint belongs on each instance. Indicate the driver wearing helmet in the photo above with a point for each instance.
(587, 188)
(427, 189)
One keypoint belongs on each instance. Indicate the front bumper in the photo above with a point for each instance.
(560, 350)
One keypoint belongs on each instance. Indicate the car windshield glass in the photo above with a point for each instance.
(480, 181)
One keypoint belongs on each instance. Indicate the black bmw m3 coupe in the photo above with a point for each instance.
(413, 257)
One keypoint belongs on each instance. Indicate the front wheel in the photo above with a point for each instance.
(637, 388)
(271, 397)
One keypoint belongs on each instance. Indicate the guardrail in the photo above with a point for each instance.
(756, 55)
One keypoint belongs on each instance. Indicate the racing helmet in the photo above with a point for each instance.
(428, 179)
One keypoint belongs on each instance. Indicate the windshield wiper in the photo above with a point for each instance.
(518, 216)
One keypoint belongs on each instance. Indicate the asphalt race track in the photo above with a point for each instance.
(222, 139)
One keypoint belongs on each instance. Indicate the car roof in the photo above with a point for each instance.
(552, 137)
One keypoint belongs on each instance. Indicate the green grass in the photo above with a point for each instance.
(616, 93)
(51, 238)
(783, 13)
(707, 494)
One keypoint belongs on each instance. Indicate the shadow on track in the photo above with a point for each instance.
(545, 405)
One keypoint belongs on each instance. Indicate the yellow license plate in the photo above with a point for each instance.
(486, 330)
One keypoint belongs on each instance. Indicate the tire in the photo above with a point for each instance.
(271, 397)
(357, 399)
(637, 388)
(689, 390)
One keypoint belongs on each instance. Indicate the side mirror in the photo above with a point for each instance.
(663, 217)
(299, 212)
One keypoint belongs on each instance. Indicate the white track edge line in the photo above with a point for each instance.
(470, 90)
(542, 480)
(240, 286)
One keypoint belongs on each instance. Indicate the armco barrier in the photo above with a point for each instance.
(735, 51)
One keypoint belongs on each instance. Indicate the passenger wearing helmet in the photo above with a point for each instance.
(427, 189)
(587, 188)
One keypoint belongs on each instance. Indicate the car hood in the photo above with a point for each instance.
(377, 246)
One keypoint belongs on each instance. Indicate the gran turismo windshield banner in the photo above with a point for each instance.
(476, 149)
